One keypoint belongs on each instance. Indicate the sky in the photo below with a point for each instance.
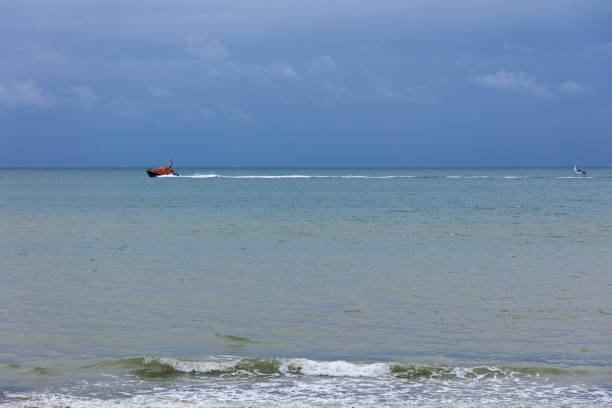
(285, 83)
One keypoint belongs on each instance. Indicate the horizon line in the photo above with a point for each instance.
(291, 167)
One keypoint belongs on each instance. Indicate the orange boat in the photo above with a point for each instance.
(162, 171)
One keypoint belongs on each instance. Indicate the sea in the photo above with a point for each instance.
(300, 287)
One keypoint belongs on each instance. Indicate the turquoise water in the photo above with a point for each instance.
(306, 287)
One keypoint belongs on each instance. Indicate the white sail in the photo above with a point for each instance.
(578, 171)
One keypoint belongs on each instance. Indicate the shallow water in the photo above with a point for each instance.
(322, 287)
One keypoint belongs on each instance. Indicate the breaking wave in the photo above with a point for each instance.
(300, 382)
(151, 367)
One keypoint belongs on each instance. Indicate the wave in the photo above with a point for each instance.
(30, 372)
(159, 367)
(228, 381)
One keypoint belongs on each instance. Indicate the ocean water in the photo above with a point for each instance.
(306, 287)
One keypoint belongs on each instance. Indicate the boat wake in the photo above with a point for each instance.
(289, 176)
(354, 176)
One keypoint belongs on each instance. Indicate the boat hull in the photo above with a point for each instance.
(157, 173)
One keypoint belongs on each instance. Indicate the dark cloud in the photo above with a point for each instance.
(309, 78)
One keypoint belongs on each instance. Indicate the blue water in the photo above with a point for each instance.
(306, 287)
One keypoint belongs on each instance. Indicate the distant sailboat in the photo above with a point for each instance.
(578, 171)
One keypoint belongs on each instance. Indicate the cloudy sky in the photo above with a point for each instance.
(276, 83)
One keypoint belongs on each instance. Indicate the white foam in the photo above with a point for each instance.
(308, 383)
(201, 176)
(374, 177)
(187, 366)
(287, 366)
(466, 177)
(284, 176)
(287, 176)
(334, 368)
(354, 393)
